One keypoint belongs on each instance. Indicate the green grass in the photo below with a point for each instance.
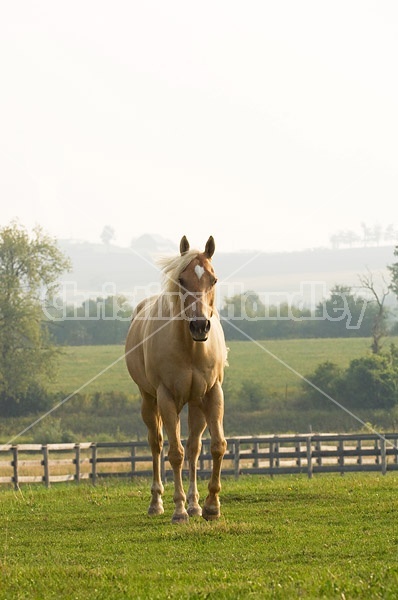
(288, 537)
(247, 360)
(104, 364)
(268, 361)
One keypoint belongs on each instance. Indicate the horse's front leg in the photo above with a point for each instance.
(171, 421)
(213, 405)
(196, 425)
(151, 418)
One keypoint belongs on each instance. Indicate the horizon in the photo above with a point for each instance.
(360, 243)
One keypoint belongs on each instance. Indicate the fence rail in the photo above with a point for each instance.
(266, 455)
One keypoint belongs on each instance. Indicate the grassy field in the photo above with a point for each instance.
(99, 373)
(287, 537)
(247, 360)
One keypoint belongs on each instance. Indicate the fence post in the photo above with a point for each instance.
(46, 466)
(256, 462)
(298, 452)
(396, 451)
(236, 458)
(271, 458)
(376, 447)
(132, 460)
(318, 450)
(94, 463)
(359, 450)
(77, 462)
(15, 466)
(341, 456)
(276, 451)
(309, 456)
(383, 455)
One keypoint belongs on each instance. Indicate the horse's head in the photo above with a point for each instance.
(197, 291)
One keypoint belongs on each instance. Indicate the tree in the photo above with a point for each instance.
(95, 321)
(371, 381)
(107, 235)
(379, 326)
(260, 321)
(377, 234)
(367, 233)
(394, 274)
(343, 314)
(345, 238)
(390, 234)
(29, 268)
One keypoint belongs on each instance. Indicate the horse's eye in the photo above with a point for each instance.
(214, 281)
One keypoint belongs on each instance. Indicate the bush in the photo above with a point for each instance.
(328, 377)
(51, 432)
(35, 399)
(369, 382)
(253, 394)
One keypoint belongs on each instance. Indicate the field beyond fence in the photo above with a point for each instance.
(264, 455)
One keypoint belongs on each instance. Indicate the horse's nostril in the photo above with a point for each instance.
(199, 328)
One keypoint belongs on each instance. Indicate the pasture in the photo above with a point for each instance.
(329, 537)
(247, 360)
(251, 367)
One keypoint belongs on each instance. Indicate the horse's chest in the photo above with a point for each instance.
(199, 384)
(193, 384)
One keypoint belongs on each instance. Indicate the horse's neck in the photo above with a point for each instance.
(181, 334)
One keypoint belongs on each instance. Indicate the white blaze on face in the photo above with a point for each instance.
(199, 271)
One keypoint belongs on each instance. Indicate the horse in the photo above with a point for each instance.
(176, 353)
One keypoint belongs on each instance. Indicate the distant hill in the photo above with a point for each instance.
(99, 269)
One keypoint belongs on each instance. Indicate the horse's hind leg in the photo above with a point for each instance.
(153, 421)
(197, 424)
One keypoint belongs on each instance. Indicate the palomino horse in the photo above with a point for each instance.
(176, 353)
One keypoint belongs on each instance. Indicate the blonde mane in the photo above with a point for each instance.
(172, 267)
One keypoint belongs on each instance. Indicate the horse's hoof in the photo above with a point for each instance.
(194, 511)
(180, 518)
(210, 513)
(156, 509)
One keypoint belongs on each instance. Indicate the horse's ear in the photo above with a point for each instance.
(184, 245)
(210, 247)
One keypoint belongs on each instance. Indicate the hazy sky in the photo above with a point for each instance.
(270, 125)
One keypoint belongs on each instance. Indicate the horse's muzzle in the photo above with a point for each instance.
(199, 329)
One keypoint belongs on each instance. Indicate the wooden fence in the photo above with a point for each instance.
(265, 455)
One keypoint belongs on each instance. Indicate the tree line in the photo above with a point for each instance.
(371, 235)
(342, 314)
